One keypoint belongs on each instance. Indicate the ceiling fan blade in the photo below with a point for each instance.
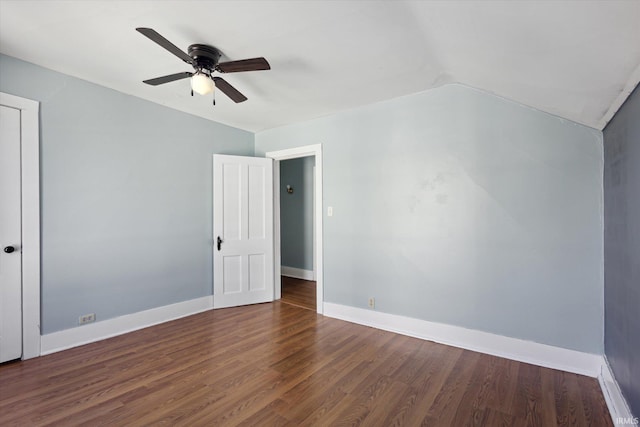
(229, 90)
(154, 36)
(166, 79)
(253, 64)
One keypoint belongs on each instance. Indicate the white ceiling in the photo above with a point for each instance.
(574, 59)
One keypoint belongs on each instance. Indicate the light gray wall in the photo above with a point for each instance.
(296, 213)
(460, 207)
(622, 248)
(126, 197)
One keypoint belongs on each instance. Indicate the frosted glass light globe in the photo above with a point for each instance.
(202, 84)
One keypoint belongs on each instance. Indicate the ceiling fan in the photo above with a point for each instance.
(204, 59)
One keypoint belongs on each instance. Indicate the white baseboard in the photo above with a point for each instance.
(85, 334)
(616, 402)
(297, 273)
(470, 339)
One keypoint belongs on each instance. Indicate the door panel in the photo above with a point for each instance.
(243, 221)
(257, 209)
(232, 274)
(232, 210)
(257, 279)
(10, 236)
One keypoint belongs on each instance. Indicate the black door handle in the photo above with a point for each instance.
(9, 249)
(219, 242)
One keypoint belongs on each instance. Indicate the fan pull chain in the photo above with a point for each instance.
(191, 92)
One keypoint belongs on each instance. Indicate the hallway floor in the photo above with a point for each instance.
(298, 292)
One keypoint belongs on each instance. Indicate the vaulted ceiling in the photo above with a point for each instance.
(575, 59)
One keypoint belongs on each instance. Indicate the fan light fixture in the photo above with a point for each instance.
(205, 60)
(202, 83)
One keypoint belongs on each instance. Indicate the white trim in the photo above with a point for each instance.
(616, 402)
(294, 153)
(313, 239)
(297, 273)
(30, 194)
(470, 339)
(277, 256)
(85, 334)
(621, 98)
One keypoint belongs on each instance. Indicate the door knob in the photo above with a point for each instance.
(9, 249)
(219, 241)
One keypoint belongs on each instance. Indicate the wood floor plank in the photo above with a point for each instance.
(528, 395)
(595, 408)
(505, 379)
(265, 417)
(576, 413)
(495, 418)
(405, 404)
(390, 401)
(434, 373)
(471, 408)
(446, 404)
(279, 364)
(548, 395)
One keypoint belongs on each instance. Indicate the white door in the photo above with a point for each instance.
(242, 230)
(10, 236)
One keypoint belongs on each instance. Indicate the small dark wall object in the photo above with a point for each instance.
(9, 249)
(289, 189)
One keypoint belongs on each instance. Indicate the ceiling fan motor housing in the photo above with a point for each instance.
(204, 56)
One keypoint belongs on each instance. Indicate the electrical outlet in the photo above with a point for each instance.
(87, 318)
(372, 302)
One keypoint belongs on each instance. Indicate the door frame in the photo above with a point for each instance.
(294, 153)
(30, 217)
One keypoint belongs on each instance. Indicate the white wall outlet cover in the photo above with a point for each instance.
(87, 318)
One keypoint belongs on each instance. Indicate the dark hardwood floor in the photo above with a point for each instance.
(278, 364)
(301, 293)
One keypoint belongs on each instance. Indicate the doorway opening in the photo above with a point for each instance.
(297, 218)
(313, 153)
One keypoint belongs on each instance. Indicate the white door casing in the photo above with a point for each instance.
(30, 219)
(10, 236)
(242, 230)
